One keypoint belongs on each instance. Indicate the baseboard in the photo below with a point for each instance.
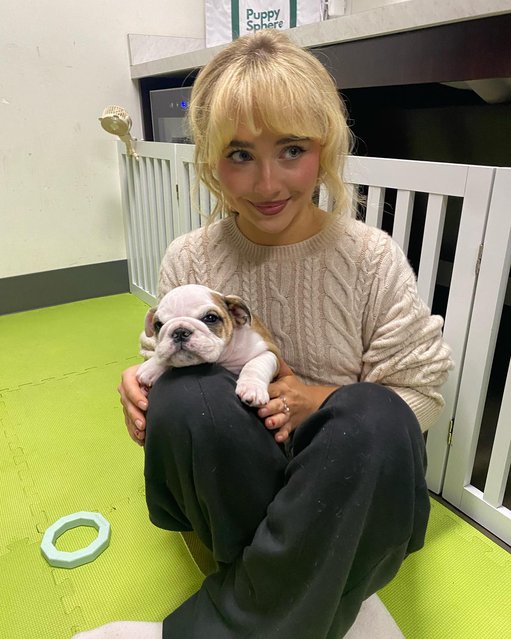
(49, 288)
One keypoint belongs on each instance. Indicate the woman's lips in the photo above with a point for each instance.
(270, 208)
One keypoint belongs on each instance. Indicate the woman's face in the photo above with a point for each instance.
(269, 179)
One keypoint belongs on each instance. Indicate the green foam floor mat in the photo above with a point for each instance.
(64, 448)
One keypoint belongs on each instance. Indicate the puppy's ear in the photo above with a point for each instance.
(148, 325)
(238, 309)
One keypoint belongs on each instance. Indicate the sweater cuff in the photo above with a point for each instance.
(427, 408)
(147, 345)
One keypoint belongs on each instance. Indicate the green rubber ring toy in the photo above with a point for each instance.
(63, 559)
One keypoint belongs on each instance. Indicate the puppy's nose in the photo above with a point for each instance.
(181, 335)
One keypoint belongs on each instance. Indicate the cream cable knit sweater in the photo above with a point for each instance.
(342, 305)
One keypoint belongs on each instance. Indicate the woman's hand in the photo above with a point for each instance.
(134, 404)
(291, 402)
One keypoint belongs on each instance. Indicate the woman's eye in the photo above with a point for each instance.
(240, 156)
(210, 318)
(293, 152)
(157, 326)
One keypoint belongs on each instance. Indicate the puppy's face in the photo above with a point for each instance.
(194, 324)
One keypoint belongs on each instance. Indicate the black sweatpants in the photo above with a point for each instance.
(301, 539)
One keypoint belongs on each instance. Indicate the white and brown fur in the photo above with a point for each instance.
(193, 324)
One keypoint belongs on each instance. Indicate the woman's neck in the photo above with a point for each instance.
(304, 226)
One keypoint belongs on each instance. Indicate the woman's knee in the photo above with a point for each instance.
(383, 447)
(197, 407)
(389, 445)
(182, 397)
(364, 429)
(375, 415)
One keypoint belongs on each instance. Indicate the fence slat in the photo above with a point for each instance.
(374, 209)
(152, 219)
(167, 202)
(159, 210)
(431, 242)
(129, 219)
(143, 281)
(195, 217)
(498, 470)
(403, 218)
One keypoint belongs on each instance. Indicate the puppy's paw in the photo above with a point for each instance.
(148, 373)
(144, 378)
(253, 393)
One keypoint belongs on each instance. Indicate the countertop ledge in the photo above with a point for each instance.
(394, 18)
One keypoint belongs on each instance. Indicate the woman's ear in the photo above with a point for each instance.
(239, 310)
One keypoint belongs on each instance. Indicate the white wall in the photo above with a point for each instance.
(61, 63)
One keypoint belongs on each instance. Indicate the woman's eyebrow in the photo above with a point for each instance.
(293, 138)
(241, 144)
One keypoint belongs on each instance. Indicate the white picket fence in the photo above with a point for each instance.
(158, 206)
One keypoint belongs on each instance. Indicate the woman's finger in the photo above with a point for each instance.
(283, 433)
(273, 407)
(137, 434)
(131, 390)
(134, 403)
(281, 424)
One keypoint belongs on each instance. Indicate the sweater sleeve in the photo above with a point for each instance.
(170, 276)
(403, 343)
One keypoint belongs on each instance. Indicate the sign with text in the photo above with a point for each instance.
(228, 19)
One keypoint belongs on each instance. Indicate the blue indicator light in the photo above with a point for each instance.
(184, 104)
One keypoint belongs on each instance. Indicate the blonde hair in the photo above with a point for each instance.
(265, 80)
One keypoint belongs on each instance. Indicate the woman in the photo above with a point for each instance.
(310, 503)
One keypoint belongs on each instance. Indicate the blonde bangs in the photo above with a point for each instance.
(258, 102)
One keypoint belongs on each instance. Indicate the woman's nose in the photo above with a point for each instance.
(267, 180)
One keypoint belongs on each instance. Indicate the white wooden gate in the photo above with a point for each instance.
(159, 205)
(485, 506)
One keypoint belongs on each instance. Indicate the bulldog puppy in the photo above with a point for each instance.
(194, 324)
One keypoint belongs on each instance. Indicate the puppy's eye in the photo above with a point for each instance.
(211, 318)
(157, 326)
